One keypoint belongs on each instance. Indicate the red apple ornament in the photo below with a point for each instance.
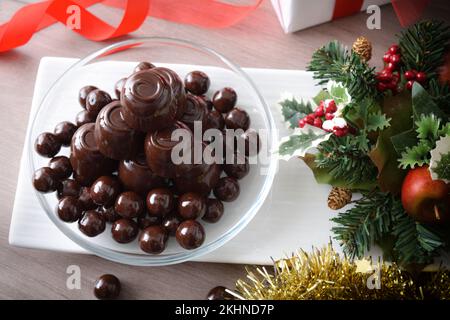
(424, 199)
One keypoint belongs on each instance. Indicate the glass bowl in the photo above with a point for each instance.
(102, 69)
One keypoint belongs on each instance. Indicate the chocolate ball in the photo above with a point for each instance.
(197, 82)
(96, 100)
(237, 119)
(195, 111)
(124, 230)
(47, 145)
(69, 209)
(68, 187)
(171, 222)
(92, 223)
(114, 138)
(191, 206)
(178, 90)
(252, 143)
(202, 184)
(144, 65)
(44, 180)
(160, 201)
(105, 190)
(214, 120)
(224, 100)
(85, 199)
(83, 93)
(145, 220)
(84, 117)
(107, 287)
(239, 169)
(227, 189)
(61, 167)
(119, 86)
(153, 239)
(129, 205)
(219, 293)
(108, 213)
(64, 132)
(190, 234)
(214, 210)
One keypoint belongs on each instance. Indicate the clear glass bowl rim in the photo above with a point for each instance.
(160, 260)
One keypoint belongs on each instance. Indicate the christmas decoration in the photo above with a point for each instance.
(367, 130)
(324, 275)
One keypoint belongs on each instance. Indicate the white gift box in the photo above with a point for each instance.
(295, 15)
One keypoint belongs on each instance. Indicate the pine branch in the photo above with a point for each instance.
(294, 110)
(440, 94)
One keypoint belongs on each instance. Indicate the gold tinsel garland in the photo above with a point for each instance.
(324, 275)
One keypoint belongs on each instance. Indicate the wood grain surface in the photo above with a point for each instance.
(258, 41)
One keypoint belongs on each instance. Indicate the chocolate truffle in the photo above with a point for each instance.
(191, 206)
(136, 176)
(69, 209)
(84, 117)
(153, 239)
(87, 161)
(171, 222)
(177, 88)
(68, 187)
(107, 287)
(114, 138)
(124, 230)
(190, 234)
(195, 111)
(237, 119)
(64, 132)
(252, 143)
(219, 293)
(61, 167)
(105, 190)
(83, 93)
(197, 82)
(96, 100)
(144, 65)
(201, 184)
(224, 100)
(213, 120)
(108, 213)
(227, 189)
(214, 210)
(160, 201)
(239, 169)
(119, 86)
(45, 180)
(148, 102)
(47, 145)
(92, 223)
(145, 220)
(85, 199)
(129, 205)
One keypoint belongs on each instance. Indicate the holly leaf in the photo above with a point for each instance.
(294, 110)
(302, 140)
(338, 93)
(321, 96)
(417, 155)
(427, 127)
(404, 140)
(377, 121)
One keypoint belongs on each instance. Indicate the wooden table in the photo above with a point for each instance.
(256, 42)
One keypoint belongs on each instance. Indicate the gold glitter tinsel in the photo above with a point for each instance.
(339, 198)
(363, 48)
(324, 275)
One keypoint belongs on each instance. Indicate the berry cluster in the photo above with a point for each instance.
(389, 78)
(413, 75)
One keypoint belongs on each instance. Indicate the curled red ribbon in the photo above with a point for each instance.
(37, 16)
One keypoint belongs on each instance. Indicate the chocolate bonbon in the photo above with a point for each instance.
(84, 117)
(237, 118)
(119, 86)
(153, 239)
(195, 110)
(160, 201)
(190, 234)
(105, 190)
(45, 180)
(129, 205)
(96, 100)
(214, 210)
(61, 167)
(227, 189)
(202, 184)
(197, 82)
(69, 209)
(144, 65)
(124, 230)
(47, 145)
(177, 88)
(68, 187)
(239, 169)
(64, 132)
(83, 93)
(92, 223)
(224, 100)
(107, 287)
(191, 206)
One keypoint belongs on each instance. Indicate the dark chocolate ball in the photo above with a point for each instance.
(45, 180)
(69, 209)
(252, 143)
(96, 100)
(190, 234)
(83, 93)
(153, 239)
(197, 82)
(213, 120)
(227, 189)
(237, 119)
(68, 187)
(84, 117)
(92, 223)
(145, 220)
(160, 202)
(224, 100)
(171, 222)
(191, 206)
(61, 167)
(239, 169)
(85, 199)
(129, 205)
(47, 145)
(64, 132)
(108, 213)
(219, 293)
(144, 65)
(107, 287)
(124, 230)
(214, 210)
(105, 190)
(119, 86)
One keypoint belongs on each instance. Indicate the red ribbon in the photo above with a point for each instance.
(34, 17)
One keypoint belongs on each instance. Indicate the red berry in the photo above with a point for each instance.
(391, 67)
(395, 58)
(421, 77)
(387, 57)
(381, 86)
(301, 123)
(340, 132)
(310, 118)
(320, 111)
(329, 116)
(384, 76)
(317, 122)
(394, 49)
(410, 75)
(409, 84)
(331, 108)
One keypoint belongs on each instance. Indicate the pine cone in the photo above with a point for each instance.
(339, 198)
(363, 48)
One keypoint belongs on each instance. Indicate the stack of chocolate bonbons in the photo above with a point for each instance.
(120, 169)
